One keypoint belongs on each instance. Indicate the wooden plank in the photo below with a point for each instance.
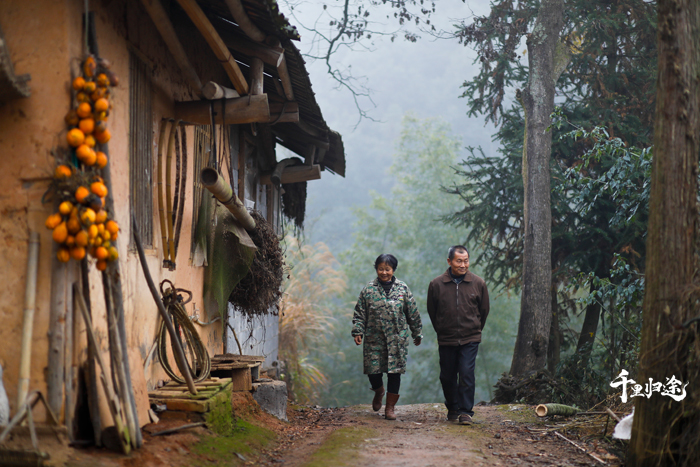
(295, 174)
(237, 358)
(160, 18)
(216, 43)
(249, 109)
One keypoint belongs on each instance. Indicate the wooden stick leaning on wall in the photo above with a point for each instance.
(179, 353)
(91, 367)
(111, 280)
(113, 402)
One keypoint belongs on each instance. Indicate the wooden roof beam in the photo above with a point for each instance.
(267, 53)
(239, 14)
(295, 174)
(248, 109)
(161, 20)
(212, 37)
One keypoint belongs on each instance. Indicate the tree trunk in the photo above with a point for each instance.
(554, 348)
(538, 103)
(666, 431)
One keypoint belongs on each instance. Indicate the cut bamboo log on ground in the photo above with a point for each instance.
(161, 20)
(28, 324)
(215, 183)
(544, 410)
(217, 45)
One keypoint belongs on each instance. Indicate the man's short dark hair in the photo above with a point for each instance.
(454, 249)
(386, 258)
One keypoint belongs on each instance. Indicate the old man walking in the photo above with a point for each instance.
(458, 305)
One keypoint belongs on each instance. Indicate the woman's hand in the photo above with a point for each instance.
(417, 340)
(358, 340)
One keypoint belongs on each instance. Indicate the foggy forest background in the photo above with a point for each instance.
(433, 164)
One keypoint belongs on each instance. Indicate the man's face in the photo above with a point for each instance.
(460, 263)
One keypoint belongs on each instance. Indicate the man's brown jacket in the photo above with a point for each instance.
(458, 311)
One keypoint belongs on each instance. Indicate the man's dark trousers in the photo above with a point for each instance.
(458, 360)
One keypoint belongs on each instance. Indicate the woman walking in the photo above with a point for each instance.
(384, 313)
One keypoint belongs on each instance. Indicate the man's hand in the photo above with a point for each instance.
(358, 340)
(417, 340)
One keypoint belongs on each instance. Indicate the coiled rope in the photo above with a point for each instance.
(198, 359)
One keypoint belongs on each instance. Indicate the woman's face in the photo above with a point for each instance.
(384, 272)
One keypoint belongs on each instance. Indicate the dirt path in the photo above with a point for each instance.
(507, 435)
(421, 436)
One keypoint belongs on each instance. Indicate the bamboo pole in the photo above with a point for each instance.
(215, 183)
(161, 202)
(168, 194)
(28, 324)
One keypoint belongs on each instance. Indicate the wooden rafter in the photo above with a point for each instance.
(212, 37)
(167, 31)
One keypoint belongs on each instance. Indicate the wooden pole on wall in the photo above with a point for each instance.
(256, 76)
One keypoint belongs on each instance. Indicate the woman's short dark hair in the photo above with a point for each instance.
(388, 259)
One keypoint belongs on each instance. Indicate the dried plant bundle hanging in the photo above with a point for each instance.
(259, 292)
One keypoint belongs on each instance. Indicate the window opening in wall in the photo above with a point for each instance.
(141, 148)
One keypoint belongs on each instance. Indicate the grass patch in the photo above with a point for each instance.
(341, 447)
(242, 438)
(518, 413)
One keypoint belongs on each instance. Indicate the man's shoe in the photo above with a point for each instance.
(378, 397)
(465, 419)
(452, 416)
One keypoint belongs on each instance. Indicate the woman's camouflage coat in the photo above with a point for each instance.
(384, 322)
